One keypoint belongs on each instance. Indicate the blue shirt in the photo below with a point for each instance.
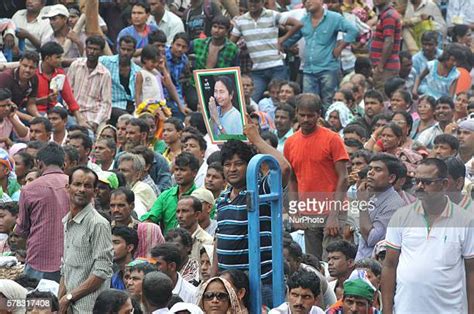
(119, 94)
(266, 105)
(176, 68)
(321, 40)
(142, 41)
(419, 60)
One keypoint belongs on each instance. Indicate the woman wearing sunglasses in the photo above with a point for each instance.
(218, 297)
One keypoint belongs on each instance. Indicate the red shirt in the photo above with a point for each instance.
(44, 90)
(313, 158)
(389, 25)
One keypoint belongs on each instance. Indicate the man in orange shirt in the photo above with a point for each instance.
(319, 161)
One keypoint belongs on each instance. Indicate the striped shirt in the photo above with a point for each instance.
(232, 232)
(43, 203)
(389, 25)
(119, 94)
(87, 251)
(261, 38)
(93, 90)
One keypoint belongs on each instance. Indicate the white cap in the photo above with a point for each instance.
(56, 10)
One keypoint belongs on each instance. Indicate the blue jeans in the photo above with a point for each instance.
(38, 275)
(323, 83)
(261, 78)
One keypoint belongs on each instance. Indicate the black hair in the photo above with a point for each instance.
(51, 48)
(448, 139)
(157, 289)
(35, 145)
(371, 264)
(196, 120)
(312, 260)
(192, 130)
(79, 128)
(216, 166)
(364, 154)
(144, 5)
(392, 84)
(267, 135)
(11, 207)
(380, 116)
(348, 94)
(36, 295)
(187, 160)
(240, 280)
(392, 163)
(30, 55)
(72, 153)
(405, 95)
(355, 128)
(86, 170)
(181, 35)
(430, 100)
(149, 52)
(96, 40)
(157, 36)
(456, 168)
(26, 281)
(215, 157)
(438, 163)
(178, 124)
(129, 195)
(42, 120)
(445, 100)
(85, 139)
(450, 51)
(51, 154)
(374, 94)
(459, 30)
(408, 119)
(128, 234)
(169, 252)
(293, 248)
(241, 149)
(182, 233)
(196, 205)
(60, 111)
(287, 108)
(5, 94)
(294, 86)
(27, 159)
(174, 299)
(309, 101)
(128, 40)
(306, 280)
(396, 129)
(353, 143)
(147, 154)
(198, 138)
(221, 20)
(144, 128)
(144, 268)
(429, 36)
(110, 301)
(348, 249)
(362, 63)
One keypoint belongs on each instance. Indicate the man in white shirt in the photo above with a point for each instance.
(429, 264)
(168, 260)
(157, 292)
(168, 22)
(31, 26)
(196, 145)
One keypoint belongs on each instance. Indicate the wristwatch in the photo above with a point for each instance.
(69, 297)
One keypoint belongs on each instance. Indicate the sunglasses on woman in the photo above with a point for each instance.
(221, 296)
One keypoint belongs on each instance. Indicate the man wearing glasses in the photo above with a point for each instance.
(430, 247)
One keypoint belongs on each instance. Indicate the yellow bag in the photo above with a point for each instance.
(419, 28)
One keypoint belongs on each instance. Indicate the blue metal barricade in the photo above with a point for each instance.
(275, 199)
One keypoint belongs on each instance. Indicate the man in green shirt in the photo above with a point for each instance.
(163, 211)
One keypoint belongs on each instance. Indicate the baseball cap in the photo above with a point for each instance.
(204, 195)
(109, 178)
(56, 10)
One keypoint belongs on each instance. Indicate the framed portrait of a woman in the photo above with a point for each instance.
(222, 103)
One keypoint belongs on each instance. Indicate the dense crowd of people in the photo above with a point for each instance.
(116, 198)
